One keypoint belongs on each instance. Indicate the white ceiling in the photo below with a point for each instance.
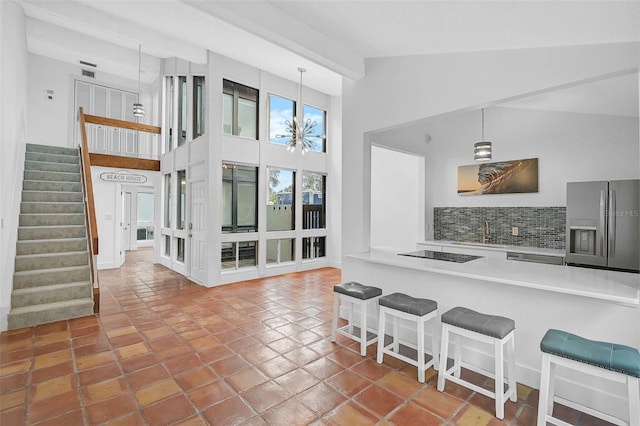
(331, 38)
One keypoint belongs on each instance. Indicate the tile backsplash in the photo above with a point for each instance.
(537, 226)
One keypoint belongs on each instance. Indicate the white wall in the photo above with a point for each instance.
(13, 125)
(437, 84)
(397, 198)
(51, 122)
(108, 203)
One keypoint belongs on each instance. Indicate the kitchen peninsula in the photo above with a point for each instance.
(597, 304)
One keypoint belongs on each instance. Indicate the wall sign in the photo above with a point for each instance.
(504, 177)
(123, 177)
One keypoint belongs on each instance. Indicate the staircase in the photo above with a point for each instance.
(52, 279)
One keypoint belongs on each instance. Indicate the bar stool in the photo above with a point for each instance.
(354, 294)
(495, 330)
(401, 306)
(618, 363)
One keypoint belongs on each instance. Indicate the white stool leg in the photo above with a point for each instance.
(381, 327)
(457, 354)
(634, 400)
(352, 306)
(336, 312)
(444, 352)
(396, 334)
(545, 400)
(511, 365)
(499, 377)
(420, 327)
(363, 328)
(435, 350)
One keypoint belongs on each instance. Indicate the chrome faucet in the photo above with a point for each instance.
(485, 232)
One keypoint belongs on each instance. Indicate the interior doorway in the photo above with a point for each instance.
(137, 220)
(397, 198)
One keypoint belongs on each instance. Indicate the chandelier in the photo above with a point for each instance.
(300, 132)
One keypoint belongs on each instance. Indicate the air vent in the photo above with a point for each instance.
(88, 73)
(89, 64)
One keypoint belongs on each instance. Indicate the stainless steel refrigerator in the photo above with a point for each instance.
(603, 224)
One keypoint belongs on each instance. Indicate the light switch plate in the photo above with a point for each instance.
(514, 230)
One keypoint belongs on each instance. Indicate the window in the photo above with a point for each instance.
(279, 251)
(317, 135)
(313, 247)
(240, 110)
(181, 198)
(280, 199)
(239, 198)
(182, 110)
(313, 200)
(167, 245)
(167, 200)
(180, 254)
(239, 254)
(145, 216)
(281, 111)
(199, 100)
(168, 143)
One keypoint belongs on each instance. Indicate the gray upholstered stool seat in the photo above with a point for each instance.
(353, 294)
(411, 305)
(402, 306)
(611, 361)
(357, 290)
(458, 323)
(491, 325)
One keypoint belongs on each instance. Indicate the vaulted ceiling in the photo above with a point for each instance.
(332, 39)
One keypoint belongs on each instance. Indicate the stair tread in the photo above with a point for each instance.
(53, 240)
(50, 270)
(38, 289)
(51, 306)
(71, 253)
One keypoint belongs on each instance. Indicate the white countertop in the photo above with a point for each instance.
(496, 247)
(613, 286)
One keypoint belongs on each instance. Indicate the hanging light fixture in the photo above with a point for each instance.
(482, 149)
(300, 131)
(138, 108)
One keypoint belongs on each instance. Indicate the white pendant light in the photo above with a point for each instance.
(138, 108)
(482, 149)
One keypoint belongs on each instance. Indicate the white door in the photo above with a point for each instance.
(125, 224)
(196, 229)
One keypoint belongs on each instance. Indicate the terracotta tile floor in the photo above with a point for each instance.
(166, 351)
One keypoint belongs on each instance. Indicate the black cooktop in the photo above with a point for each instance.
(440, 255)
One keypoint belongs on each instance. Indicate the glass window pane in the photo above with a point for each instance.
(227, 203)
(247, 118)
(180, 255)
(227, 114)
(246, 204)
(247, 254)
(313, 247)
(145, 207)
(280, 200)
(281, 111)
(287, 250)
(228, 255)
(167, 200)
(317, 134)
(272, 251)
(182, 110)
(182, 198)
(313, 200)
(198, 106)
(169, 115)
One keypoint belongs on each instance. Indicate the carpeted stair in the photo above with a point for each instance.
(52, 275)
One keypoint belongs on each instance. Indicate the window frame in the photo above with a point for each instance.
(236, 91)
(235, 182)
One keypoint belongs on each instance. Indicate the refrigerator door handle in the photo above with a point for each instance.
(612, 223)
(602, 224)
